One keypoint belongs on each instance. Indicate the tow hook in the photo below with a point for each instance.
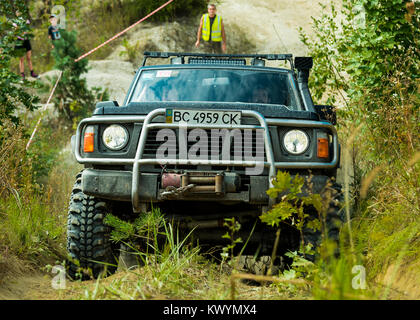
(177, 184)
(173, 192)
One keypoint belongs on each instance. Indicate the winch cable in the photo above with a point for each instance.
(87, 54)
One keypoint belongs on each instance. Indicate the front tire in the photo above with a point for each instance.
(88, 238)
(331, 221)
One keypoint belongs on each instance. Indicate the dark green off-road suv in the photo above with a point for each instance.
(200, 137)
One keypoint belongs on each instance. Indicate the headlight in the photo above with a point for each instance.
(296, 141)
(115, 137)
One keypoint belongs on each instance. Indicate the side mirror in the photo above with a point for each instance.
(327, 113)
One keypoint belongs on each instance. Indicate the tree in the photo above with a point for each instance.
(72, 97)
(373, 66)
(13, 94)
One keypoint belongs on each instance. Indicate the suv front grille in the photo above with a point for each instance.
(246, 149)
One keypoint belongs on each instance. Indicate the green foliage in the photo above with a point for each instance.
(135, 9)
(366, 52)
(132, 51)
(14, 97)
(300, 268)
(12, 8)
(34, 187)
(372, 69)
(141, 227)
(43, 152)
(334, 280)
(291, 207)
(169, 257)
(328, 278)
(149, 233)
(233, 227)
(72, 98)
(30, 229)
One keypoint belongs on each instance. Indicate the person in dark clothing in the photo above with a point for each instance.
(24, 43)
(53, 30)
(212, 31)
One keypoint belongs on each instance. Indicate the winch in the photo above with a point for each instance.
(198, 182)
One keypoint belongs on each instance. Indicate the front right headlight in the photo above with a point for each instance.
(115, 137)
(296, 142)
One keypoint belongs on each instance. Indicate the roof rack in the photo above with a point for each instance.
(237, 59)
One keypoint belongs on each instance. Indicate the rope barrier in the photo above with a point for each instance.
(122, 32)
(43, 110)
(87, 54)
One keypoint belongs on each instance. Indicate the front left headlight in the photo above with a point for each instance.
(115, 137)
(296, 142)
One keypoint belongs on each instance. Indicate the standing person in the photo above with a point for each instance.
(53, 30)
(212, 30)
(24, 43)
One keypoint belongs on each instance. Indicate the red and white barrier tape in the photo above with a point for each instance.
(122, 32)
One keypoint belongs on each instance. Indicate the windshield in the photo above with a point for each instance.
(216, 85)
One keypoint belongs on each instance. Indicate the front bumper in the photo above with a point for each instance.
(117, 186)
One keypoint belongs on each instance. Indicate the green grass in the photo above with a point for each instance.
(34, 194)
(384, 202)
(31, 230)
(169, 267)
(175, 269)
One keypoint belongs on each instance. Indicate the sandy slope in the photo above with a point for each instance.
(273, 23)
(114, 75)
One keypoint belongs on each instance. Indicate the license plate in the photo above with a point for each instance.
(203, 117)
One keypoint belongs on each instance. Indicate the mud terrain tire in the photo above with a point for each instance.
(333, 219)
(90, 250)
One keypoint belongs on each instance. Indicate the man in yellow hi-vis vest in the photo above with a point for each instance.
(212, 30)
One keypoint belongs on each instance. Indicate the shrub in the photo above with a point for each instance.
(372, 70)
(73, 100)
(13, 94)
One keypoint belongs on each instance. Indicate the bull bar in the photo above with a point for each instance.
(147, 125)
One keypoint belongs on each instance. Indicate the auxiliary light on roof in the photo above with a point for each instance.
(237, 62)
